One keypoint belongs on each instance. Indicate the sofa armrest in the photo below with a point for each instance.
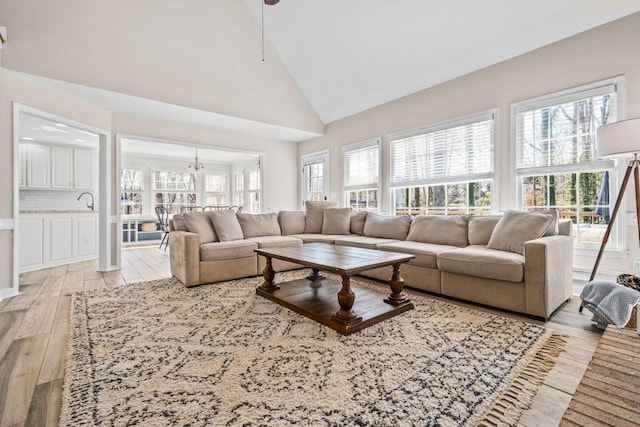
(548, 277)
(185, 257)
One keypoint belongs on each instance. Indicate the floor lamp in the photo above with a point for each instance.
(616, 140)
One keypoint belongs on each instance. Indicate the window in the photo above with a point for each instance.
(174, 190)
(216, 189)
(444, 169)
(361, 163)
(131, 191)
(556, 161)
(238, 189)
(254, 191)
(315, 176)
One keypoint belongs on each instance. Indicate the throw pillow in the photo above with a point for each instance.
(481, 227)
(291, 222)
(256, 225)
(336, 221)
(314, 214)
(226, 225)
(515, 228)
(552, 230)
(387, 227)
(449, 230)
(200, 223)
(357, 222)
(179, 224)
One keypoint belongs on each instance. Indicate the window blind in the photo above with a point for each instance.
(362, 165)
(444, 154)
(561, 132)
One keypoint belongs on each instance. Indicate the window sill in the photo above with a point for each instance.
(609, 253)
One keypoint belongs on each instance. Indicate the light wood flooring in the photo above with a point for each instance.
(34, 327)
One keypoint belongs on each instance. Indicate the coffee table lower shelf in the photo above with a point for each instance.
(318, 301)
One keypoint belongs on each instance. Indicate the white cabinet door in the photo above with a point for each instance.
(61, 239)
(61, 167)
(87, 236)
(85, 169)
(38, 163)
(22, 154)
(31, 242)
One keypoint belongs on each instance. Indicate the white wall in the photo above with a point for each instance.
(598, 54)
(203, 54)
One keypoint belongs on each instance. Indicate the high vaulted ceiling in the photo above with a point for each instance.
(349, 56)
(199, 62)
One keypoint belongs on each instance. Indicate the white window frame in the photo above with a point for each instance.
(346, 189)
(493, 175)
(154, 190)
(616, 243)
(141, 191)
(208, 192)
(314, 158)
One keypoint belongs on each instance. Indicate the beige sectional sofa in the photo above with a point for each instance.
(518, 261)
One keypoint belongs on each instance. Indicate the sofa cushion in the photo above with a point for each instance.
(179, 224)
(226, 225)
(217, 251)
(291, 222)
(254, 225)
(387, 227)
(357, 222)
(480, 261)
(318, 238)
(515, 228)
(336, 221)
(314, 214)
(275, 241)
(481, 227)
(426, 254)
(362, 241)
(200, 223)
(440, 229)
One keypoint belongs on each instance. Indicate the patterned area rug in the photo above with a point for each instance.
(157, 353)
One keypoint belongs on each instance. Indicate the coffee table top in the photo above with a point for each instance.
(340, 259)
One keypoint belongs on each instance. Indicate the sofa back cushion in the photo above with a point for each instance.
(336, 221)
(314, 214)
(226, 225)
(291, 222)
(516, 227)
(387, 227)
(200, 223)
(357, 222)
(481, 227)
(449, 230)
(256, 225)
(553, 228)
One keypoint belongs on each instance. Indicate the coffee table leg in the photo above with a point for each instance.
(346, 298)
(314, 275)
(268, 275)
(397, 297)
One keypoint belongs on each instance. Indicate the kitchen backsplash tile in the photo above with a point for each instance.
(54, 200)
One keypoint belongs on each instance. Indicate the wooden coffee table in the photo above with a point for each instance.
(315, 295)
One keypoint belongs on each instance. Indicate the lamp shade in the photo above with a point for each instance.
(619, 138)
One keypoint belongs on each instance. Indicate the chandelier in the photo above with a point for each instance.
(196, 166)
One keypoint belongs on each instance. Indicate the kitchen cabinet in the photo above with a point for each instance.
(84, 169)
(58, 167)
(50, 239)
(38, 166)
(62, 168)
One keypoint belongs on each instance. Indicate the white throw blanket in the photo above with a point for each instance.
(609, 302)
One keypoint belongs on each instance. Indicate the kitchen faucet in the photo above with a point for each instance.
(89, 205)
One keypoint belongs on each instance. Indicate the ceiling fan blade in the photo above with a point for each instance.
(271, 2)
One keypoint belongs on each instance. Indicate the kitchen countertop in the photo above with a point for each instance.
(39, 211)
